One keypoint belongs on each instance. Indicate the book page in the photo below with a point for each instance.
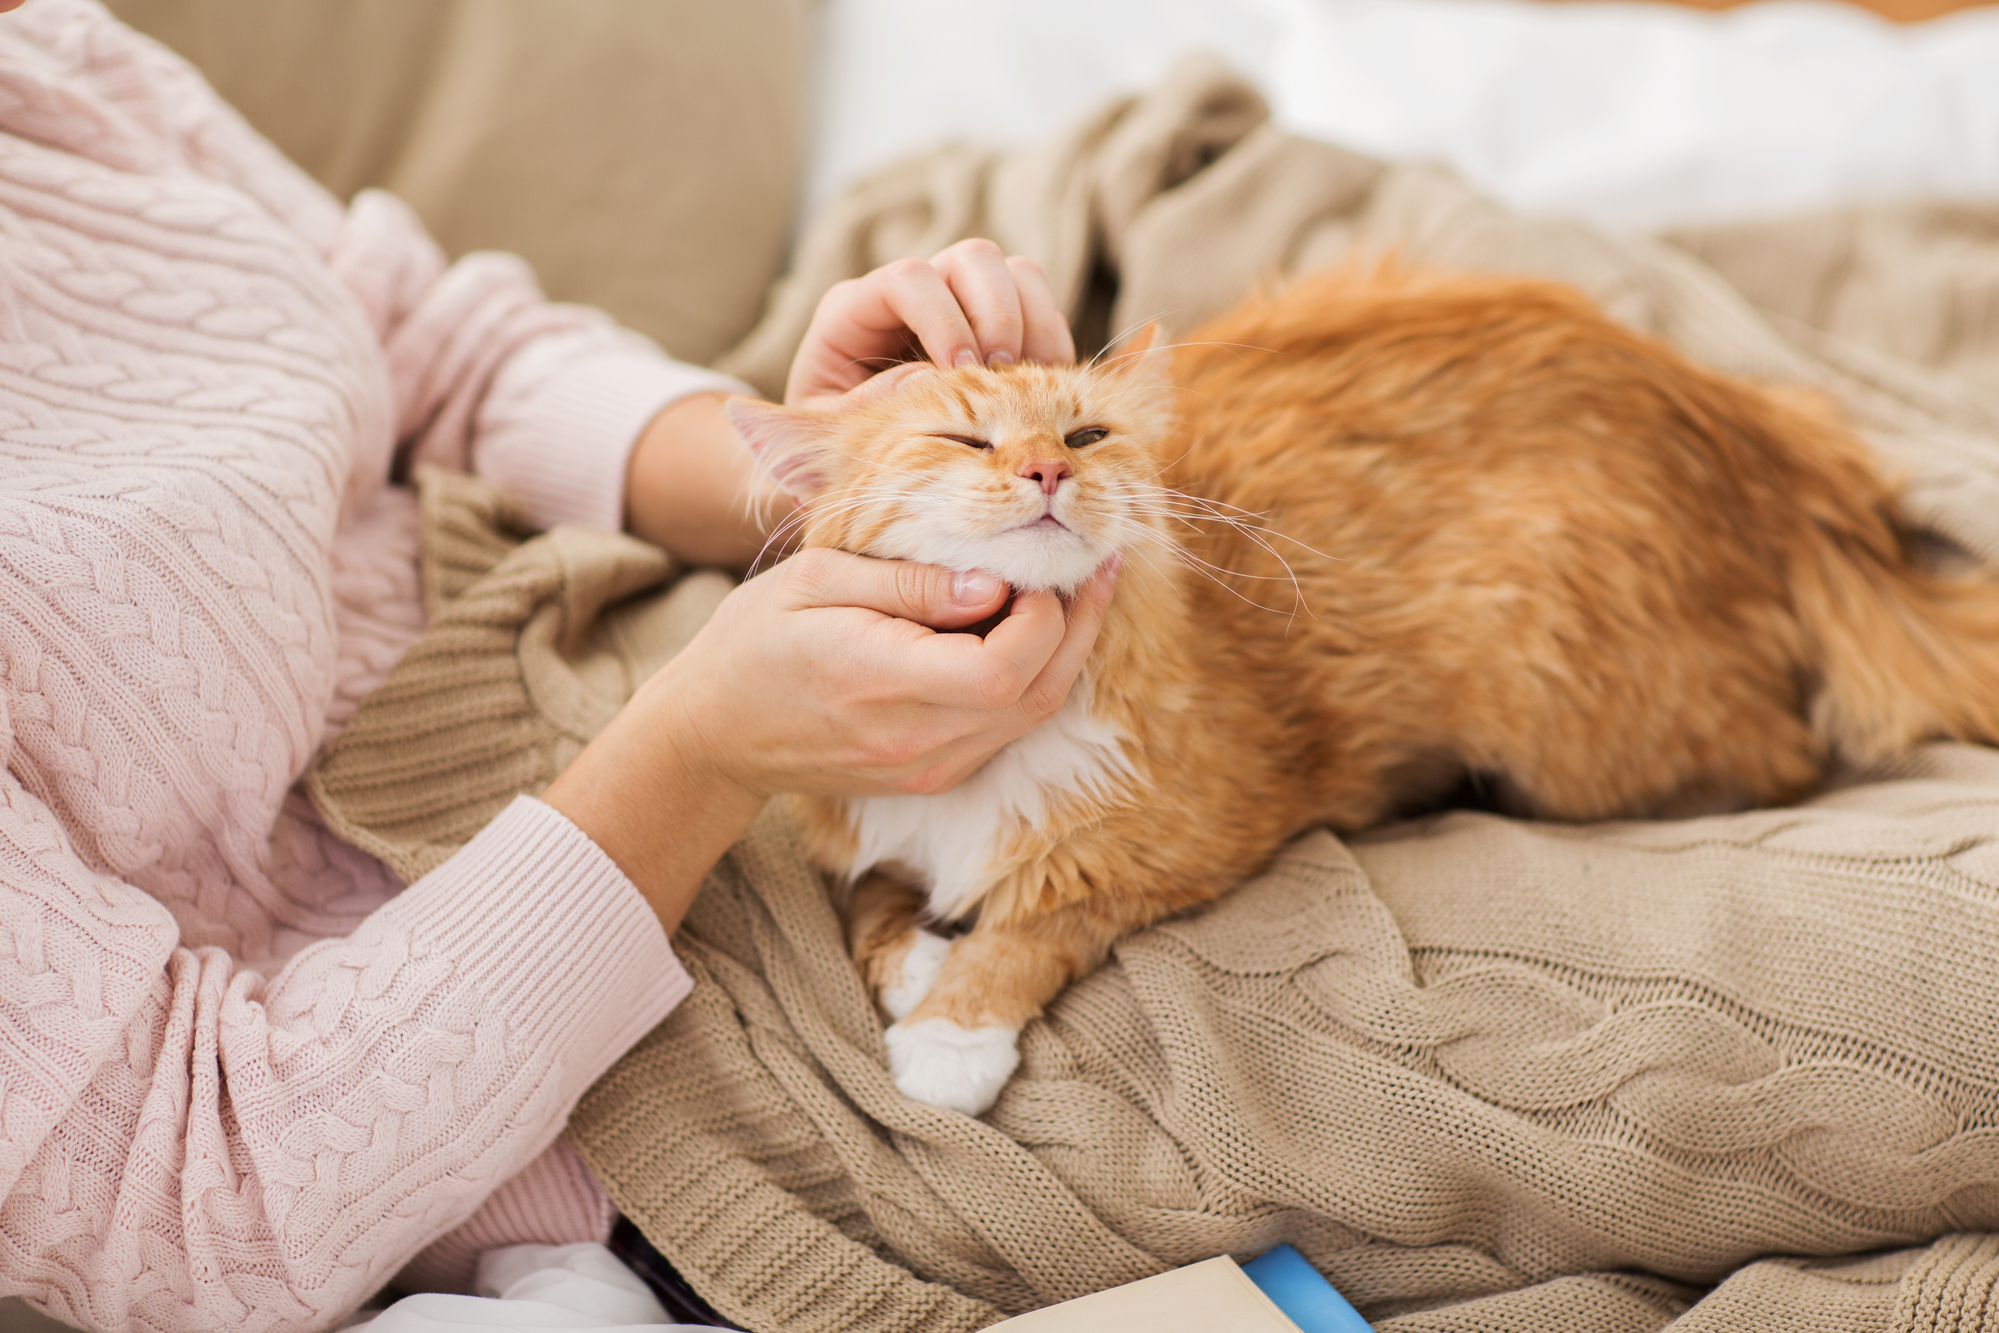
(1200, 1298)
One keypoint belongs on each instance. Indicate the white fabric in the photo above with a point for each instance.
(536, 1287)
(1631, 115)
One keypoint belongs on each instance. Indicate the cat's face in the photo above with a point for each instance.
(1036, 474)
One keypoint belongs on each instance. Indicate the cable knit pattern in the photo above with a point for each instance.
(243, 1079)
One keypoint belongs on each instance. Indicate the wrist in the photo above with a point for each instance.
(693, 489)
(650, 792)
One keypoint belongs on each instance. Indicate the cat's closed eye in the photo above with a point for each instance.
(967, 440)
(1083, 437)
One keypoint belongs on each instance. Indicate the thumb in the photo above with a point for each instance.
(926, 594)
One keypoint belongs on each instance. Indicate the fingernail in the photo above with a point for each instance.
(1000, 359)
(966, 359)
(973, 587)
(1117, 562)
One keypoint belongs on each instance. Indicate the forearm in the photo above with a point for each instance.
(643, 793)
(693, 488)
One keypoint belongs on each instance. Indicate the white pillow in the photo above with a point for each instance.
(1632, 115)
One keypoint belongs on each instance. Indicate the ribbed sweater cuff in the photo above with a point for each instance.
(566, 455)
(556, 936)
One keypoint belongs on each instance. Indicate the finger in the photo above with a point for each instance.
(839, 350)
(955, 761)
(916, 298)
(978, 276)
(991, 673)
(868, 390)
(1050, 687)
(1045, 336)
(1015, 678)
(864, 323)
(880, 384)
(923, 594)
(1028, 661)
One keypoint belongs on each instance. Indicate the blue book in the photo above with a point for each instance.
(1278, 1293)
(1306, 1298)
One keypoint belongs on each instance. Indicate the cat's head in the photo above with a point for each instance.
(1037, 474)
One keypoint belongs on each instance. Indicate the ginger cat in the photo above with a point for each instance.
(1384, 531)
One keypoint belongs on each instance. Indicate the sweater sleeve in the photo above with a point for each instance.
(545, 399)
(186, 1143)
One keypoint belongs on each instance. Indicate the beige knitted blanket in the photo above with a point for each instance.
(1736, 1073)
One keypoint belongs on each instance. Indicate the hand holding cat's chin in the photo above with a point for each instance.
(821, 677)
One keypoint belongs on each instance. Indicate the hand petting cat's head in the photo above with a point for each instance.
(1037, 474)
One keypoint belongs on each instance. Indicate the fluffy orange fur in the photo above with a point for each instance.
(1385, 531)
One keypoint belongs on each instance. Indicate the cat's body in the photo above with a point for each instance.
(1494, 535)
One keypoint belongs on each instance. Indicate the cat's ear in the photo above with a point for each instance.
(796, 446)
(1138, 366)
(1138, 344)
(1139, 360)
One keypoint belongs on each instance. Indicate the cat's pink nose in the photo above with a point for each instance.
(1047, 473)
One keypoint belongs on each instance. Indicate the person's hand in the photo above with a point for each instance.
(968, 305)
(820, 677)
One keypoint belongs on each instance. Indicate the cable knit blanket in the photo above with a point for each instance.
(1734, 1073)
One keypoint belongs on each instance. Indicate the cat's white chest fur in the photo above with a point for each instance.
(951, 841)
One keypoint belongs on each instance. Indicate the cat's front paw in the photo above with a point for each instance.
(912, 977)
(963, 1069)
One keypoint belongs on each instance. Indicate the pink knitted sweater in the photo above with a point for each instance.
(245, 1076)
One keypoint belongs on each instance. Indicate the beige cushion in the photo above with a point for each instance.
(644, 155)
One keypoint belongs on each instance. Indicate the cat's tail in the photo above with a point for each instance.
(1904, 655)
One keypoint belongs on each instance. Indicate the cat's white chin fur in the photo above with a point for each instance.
(1029, 559)
(1032, 560)
(921, 963)
(961, 1069)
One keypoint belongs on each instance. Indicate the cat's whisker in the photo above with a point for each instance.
(1194, 499)
(1197, 514)
(1206, 570)
(1105, 358)
(1129, 331)
(1252, 534)
(878, 363)
(1174, 347)
(1174, 501)
(1190, 519)
(796, 522)
(757, 492)
(1191, 558)
(1144, 556)
(1143, 548)
(1213, 510)
(790, 525)
(1286, 577)
(1169, 508)
(779, 536)
(1249, 532)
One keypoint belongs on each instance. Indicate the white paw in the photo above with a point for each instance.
(920, 966)
(963, 1069)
